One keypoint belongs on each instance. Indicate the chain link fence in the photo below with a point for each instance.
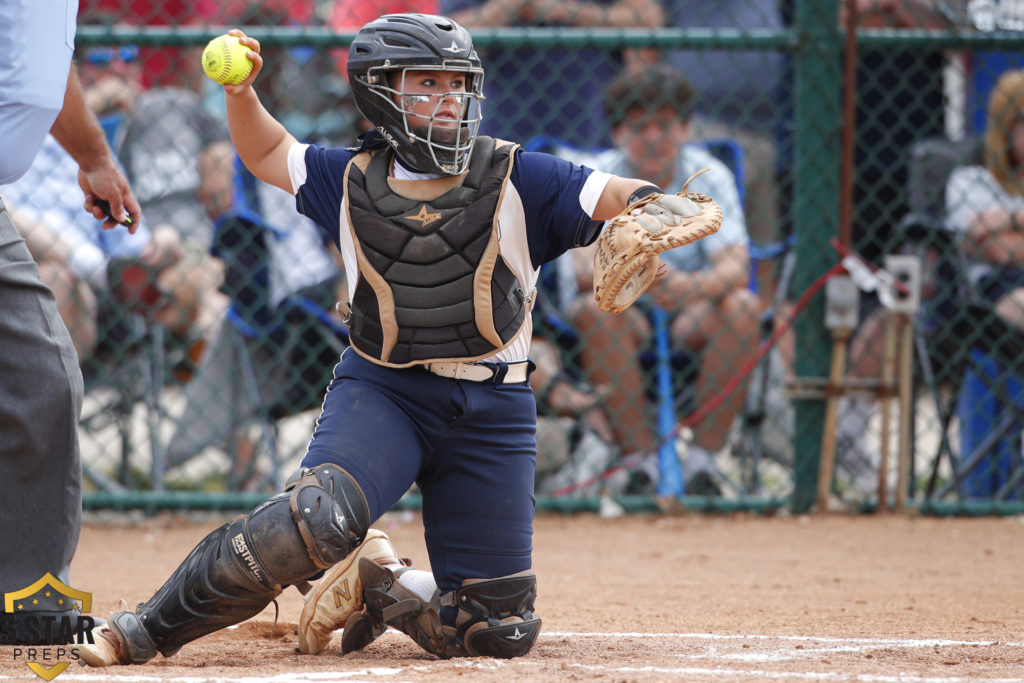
(748, 378)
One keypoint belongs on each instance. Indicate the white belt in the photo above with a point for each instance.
(477, 372)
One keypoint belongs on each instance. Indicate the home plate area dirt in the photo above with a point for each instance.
(642, 598)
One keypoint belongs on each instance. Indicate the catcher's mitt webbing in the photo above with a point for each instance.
(626, 259)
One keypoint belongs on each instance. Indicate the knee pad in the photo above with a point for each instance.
(330, 512)
(315, 523)
(495, 617)
(241, 566)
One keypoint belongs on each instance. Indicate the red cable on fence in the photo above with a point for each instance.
(710, 406)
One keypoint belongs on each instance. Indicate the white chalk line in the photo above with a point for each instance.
(739, 674)
(834, 645)
(683, 673)
(878, 642)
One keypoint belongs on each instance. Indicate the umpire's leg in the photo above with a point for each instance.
(40, 403)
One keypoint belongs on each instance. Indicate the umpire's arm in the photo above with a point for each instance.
(80, 134)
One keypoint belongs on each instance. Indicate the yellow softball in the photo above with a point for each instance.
(224, 60)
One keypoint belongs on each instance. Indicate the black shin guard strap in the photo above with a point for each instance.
(139, 647)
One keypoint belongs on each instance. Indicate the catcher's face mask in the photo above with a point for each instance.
(440, 113)
(410, 73)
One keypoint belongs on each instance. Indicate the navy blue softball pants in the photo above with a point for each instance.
(470, 446)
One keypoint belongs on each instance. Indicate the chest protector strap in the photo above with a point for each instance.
(433, 284)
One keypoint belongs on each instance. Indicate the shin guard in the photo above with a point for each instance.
(239, 568)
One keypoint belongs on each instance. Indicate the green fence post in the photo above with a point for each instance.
(817, 89)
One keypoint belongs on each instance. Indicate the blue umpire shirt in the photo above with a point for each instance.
(37, 39)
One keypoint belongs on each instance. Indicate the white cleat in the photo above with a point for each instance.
(107, 650)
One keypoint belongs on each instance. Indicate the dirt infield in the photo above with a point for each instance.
(646, 598)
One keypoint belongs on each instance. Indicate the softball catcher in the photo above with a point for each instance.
(443, 233)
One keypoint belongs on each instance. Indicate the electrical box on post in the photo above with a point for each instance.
(842, 303)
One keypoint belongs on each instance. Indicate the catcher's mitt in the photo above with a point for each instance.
(626, 260)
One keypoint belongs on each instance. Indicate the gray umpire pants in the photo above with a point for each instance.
(40, 403)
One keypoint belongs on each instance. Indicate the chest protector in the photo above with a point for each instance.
(433, 284)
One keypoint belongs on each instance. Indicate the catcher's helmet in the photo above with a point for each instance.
(397, 43)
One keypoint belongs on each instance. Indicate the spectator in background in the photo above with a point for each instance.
(158, 132)
(704, 289)
(76, 256)
(738, 97)
(160, 135)
(111, 76)
(265, 361)
(985, 205)
(552, 91)
(162, 140)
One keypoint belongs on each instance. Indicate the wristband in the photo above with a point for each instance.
(643, 192)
